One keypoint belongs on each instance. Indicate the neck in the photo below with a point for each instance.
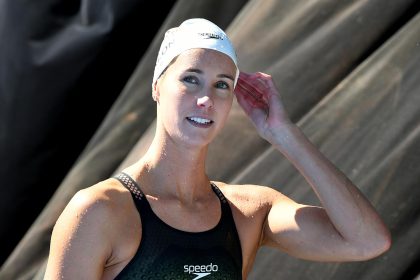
(175, 171)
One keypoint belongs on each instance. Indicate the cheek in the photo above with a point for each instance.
(170, 98)
(172, 106)
(225, 106)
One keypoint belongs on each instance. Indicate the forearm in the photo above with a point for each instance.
(349, 211)
(348, 224)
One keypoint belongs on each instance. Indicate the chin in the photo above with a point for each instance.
(185, 136)
(196, 142)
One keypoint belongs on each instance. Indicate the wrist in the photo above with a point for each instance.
(284, 136)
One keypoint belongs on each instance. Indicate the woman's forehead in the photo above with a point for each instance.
(204, 58)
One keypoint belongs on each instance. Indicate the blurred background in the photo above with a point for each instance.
(76, 107)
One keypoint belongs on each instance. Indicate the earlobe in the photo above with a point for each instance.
(155, 92)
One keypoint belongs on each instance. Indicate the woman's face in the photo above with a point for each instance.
(195, 96)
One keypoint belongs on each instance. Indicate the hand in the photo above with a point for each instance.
(259, 98)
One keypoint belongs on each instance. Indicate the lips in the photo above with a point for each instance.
(200, 122)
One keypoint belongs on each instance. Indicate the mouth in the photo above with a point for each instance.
(199, 122)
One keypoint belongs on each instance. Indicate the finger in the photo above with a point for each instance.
(255, 85)
(249, 103)
(255, 114)
(269, 83)
(251, 83)
(250, 97)
(244, 102)
(255, 88)
(248, 88)
(249, 92)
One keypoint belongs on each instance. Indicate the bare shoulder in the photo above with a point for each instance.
(246, 189)
(102, 200)
(105, 208)
(249, 198)
(91, 222)
(93, 210)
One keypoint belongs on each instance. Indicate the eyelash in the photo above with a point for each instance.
(225, 85)
(194, 80)
(189, 79)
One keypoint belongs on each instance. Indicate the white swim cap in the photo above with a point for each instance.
(191, 34)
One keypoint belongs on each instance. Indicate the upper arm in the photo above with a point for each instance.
(305, 232)
(80, 240)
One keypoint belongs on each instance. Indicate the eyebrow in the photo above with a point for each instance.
(195, 70)
(226, 76)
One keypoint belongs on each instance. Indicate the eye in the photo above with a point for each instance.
(222, 85)
(190, 79)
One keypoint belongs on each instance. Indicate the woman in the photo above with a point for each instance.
(162, 217)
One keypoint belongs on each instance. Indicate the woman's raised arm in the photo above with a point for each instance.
(346, 227)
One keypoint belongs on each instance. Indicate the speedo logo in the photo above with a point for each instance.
(211, 36)
(200, 271)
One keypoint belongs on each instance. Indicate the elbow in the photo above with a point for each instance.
(386, 242)
(378, 246)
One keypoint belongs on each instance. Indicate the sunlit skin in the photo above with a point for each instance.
(197, 85)
(100, 230)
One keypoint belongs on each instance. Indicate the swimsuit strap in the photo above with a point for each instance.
(135, 189)
(130, 184)
(218, 192)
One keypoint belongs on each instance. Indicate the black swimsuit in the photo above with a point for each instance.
(169, 253)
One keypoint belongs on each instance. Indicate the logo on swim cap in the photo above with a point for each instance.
(211, 36)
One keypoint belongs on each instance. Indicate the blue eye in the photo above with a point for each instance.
(190, 79)
(222, 85)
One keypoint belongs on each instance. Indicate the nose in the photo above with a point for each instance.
(205, 102)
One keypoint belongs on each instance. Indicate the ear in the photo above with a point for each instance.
(155, 91)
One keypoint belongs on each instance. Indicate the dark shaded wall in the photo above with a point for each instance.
(75, 83)
(62, 65)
